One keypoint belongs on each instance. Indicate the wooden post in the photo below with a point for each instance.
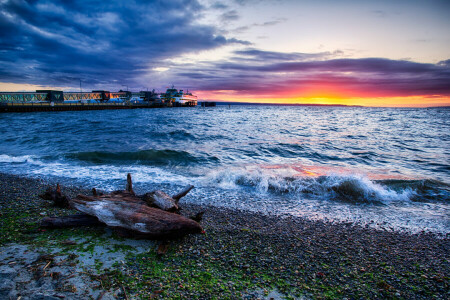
(129, 184)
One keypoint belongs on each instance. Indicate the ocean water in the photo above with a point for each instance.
(380, 167)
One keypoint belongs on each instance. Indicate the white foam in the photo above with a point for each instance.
(367, 188)
(287, 180)
(4, 158)
(102, 175)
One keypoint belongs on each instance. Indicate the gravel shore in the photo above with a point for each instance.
(242, 255)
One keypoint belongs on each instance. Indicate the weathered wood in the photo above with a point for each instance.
(120, 196)
(129, 187)
(135, 215)
(126, 212)
(58, 198)
(70, 221)
(160, 200)
(183, 193)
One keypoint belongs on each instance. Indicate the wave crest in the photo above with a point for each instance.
(4, 158)
(341, 187)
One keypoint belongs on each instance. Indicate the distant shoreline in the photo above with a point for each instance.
(315, 105)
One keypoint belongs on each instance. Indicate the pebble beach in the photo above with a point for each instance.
(242, 255)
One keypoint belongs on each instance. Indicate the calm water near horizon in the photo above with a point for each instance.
(384, 167)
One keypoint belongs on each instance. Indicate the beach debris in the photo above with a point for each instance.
(152, 215)
(58, 198)
(124, 292)
(161, 200)
(135, 215)
(129, 187)
(70, 221)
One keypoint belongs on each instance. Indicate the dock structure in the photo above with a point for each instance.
(22, 97)
(59, 96)
(35, 107)
(51, 100)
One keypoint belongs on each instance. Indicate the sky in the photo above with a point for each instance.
(373, 53)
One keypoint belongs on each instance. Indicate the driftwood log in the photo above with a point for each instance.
(127, 211)
(70, 221)
(58, 198)
(147, 216)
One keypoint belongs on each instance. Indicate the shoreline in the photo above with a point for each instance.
(242, 255)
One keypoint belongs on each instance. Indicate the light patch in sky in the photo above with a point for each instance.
(19, 87)
(160, 69)
(418, 30)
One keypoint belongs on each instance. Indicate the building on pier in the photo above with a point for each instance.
(54, 99)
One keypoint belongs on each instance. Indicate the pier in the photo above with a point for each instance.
(35, 107)
(51, 100)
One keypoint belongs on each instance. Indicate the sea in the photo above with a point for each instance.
(386, 168)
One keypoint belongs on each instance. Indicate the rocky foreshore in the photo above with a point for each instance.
(242, 255)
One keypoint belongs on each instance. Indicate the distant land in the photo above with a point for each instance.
(306, 104)
(277, 104)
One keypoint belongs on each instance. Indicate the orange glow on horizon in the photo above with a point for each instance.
(329, 98)
(320, 93)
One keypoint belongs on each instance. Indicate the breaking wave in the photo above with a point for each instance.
(342, 187)
(4, 158)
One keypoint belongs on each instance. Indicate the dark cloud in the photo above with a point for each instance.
(272, 74)
(271, 56)
(229, 16)
(379, 13)
(363, 65)
(219, 5)
(56, 42)
(264, 24)
(253, 2)
(444, 63)
(272, 23)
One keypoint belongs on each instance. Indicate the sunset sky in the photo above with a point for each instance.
(376, 53)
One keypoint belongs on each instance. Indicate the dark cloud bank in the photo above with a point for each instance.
(110, 43)
(56, 42)
(267, 73)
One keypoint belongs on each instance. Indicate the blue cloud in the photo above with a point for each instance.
(55, 42)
